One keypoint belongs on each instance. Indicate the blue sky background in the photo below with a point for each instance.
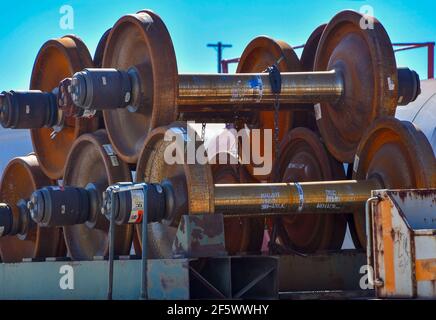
(26, 25)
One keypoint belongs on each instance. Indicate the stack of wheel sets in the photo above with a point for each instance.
(94, 121)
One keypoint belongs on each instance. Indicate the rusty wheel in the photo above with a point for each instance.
(192, 183)
(241, 234)
(142, 41)
(20, 178)
(398, 156)
(309, 51)
(56, 60)
(366, 60)
(98, 54)
(92, 160)
(307, 118)
(304, 158)
(263, 52)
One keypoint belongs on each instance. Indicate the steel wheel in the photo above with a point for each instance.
(366, 60)
(99, 51)
(263, 52)
(241, 234)
(142, 41)
(309, 51)
(193, 185)
(307, 118)
(20, 178)
(399, 156)
(57, 60)
(92, 160)
(304, 158)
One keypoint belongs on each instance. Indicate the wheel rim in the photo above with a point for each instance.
(304, 158)
(399, 156)
(263, 52)
(90, 162)
(193, 180)
(20, 178)
(366, 60)
(57, 60)
(141, 40)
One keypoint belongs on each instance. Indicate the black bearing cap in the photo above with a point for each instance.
(28, 109)
(6, 219)
(101, 89)
(409, 86)
(59, 206)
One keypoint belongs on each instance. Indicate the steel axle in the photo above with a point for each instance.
(53, 206)
(104, 89)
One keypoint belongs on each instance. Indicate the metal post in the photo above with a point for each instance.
(430, 66)
(369, 219)
(111, 247)
(144, 261)
(219, 46)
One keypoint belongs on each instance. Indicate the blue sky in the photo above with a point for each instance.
(26, 25)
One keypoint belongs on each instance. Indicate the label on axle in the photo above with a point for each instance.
(137, 206)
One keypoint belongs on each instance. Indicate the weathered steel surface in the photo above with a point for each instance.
(141, 41)
(175, 279)
(397, 155)
(404, 233)
(57, 60)
(200, 235)
(241, 234)
(348, 48)
(93, 160)
(261, 53)
(21, 177)
(303, 157)
(192, 184)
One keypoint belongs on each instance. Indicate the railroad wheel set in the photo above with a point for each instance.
(94, 121)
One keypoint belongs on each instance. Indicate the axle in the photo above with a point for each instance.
(18, 226)
(55, 206)
(102, 89)
(292, 198)
(110, 89)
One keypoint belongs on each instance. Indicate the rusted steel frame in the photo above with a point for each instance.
(204, 91)
(261, 199)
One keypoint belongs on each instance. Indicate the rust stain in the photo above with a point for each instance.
(388, 247)
(425, 269)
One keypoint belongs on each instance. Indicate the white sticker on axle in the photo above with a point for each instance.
(391, 84)
(2, 229)
(356, 163)
(318, 114)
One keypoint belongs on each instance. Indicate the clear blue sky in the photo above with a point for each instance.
(26, 25)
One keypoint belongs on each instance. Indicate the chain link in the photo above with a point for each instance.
(276, 125)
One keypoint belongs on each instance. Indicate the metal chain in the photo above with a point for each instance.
(276, 125)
